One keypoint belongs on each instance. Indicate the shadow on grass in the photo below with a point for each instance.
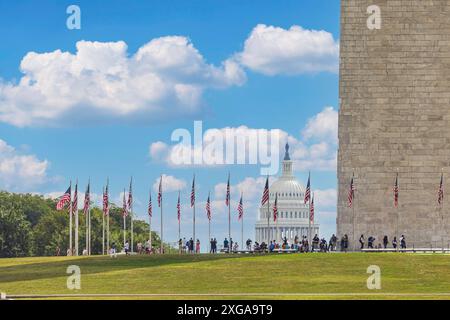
(56, 267)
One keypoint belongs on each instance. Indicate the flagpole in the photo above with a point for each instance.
(150, 210)
(354, 221)
(103, 224)
(396, 206)
(86, 237)
(150, 232)
(229, 213)
(193, 207)
(441, 207)
(89, 232)
(131, 215)
(309, 223)
(276, 227)
(161, 207)
(70, 220)
(352, 190)
(179, 217)
(107, 219)
(124, 214)
(76, 223)
(107, 233)
(242, 228)
(268, 220)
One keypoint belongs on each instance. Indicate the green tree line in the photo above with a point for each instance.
(30, 225)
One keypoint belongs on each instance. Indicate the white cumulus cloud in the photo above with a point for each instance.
(273, 50)
(316, 149)
(324, 125)
(102, 81)
(169, 184)
(20, 172)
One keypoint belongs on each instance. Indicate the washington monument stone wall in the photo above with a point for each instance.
(395, 117)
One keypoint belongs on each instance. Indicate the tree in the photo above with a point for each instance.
(15, 234)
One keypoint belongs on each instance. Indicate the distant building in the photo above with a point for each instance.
(293, 213)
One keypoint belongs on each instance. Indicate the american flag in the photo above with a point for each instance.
(64, 199)
(87, 198)
(351, 193)
(130, 195)
(106, 201)
(311, 210)
(275, 208)
(227, 197)
(193, 193)
(308, 189)
(179, 208)
(265, 196)
(240, 209)
(124, 206)
(75, 200)
(160, 192)
(396, 191)
(208, 208)
(150, 208)
(441, 190)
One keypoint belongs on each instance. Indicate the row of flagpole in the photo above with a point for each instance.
(128, 210)
(351, 199)
(66, 198)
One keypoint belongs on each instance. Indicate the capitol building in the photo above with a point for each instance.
(293, 213)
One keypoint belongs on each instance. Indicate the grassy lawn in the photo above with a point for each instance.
(296, 276)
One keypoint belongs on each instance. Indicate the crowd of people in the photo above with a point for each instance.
(371, 242)
(297, 245)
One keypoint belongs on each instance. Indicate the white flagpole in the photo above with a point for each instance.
(150, 221)
(150, 232)
(161, 207)
(89, 232)
(309, 222)
(179, 218)
(76, 223)
(131, 216)
(86, 237)
(107, 234)
(103, 224)
(107, 220)
(268, 220)
(193, 215)
(70, 220)
(229, 215)
(242, 231)
(124, 221)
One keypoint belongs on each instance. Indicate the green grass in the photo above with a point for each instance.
(295, 276)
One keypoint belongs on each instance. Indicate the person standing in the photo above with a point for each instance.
(394, 243)
(345, 242)
(385, 241)
(362, 241)
(127, 248)
(370, 242)
(225, 245)
(180, 246)
(191, 245)
(403, 242)
(197, 246)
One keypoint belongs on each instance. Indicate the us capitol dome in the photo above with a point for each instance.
(293, 213)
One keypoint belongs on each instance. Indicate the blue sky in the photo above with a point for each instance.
(98, 139)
